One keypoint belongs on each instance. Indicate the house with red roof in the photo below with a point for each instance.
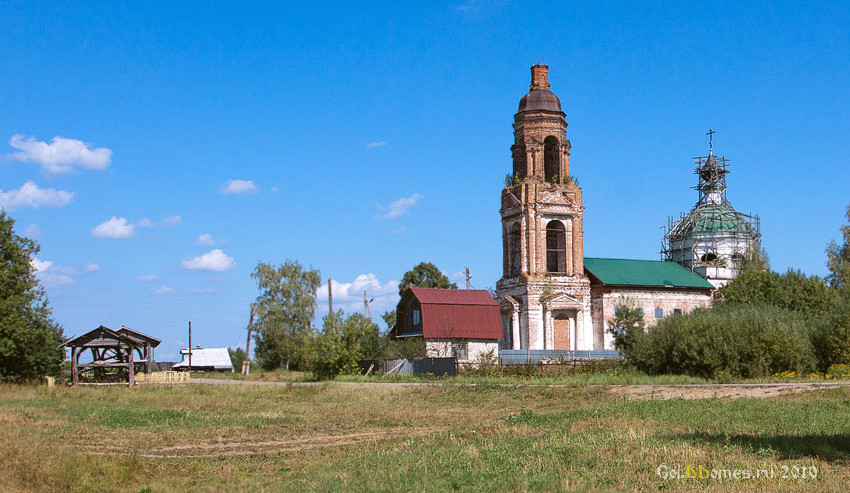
(461, 323)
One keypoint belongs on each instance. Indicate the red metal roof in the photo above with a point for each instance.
(458, 313)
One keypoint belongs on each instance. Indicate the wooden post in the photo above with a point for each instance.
(151, 359)
(246, 363)
(74, 370)
(330, 297)
(130, 377)
(190, 346)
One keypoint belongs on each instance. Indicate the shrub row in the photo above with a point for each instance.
(742, 340)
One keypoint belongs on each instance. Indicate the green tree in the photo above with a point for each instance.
(831, 339)
(838, 258)
(792, 291)
(424, 275)
(342, 344)
(29, 338)
(237, 357)
(755, 259)
(627, 326)
(284, 311)
(389, 319)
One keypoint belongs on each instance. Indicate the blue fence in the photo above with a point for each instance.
(522, 356)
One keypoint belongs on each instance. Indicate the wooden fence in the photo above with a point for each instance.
(163, 377)
(438, 367)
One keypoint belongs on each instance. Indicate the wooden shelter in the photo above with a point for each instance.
(116, 355)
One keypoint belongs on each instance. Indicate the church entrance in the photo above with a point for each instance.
(561, 330)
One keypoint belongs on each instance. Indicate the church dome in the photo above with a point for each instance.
(537, 100)
(711, 218)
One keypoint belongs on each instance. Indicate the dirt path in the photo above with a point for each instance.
(255, 447)
(718, 391)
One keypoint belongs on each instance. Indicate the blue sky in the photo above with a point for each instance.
(363, 139)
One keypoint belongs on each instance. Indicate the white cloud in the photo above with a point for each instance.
(399, 207)
(349, 296)
(29, 195)
(215, 260)
(400, 230)
(49, 275)
(239, 187)
(147, 277)
(205, 240)
(380, 143)
(40, 265)
(61, 155)
(33, 231)
(458, 276)
(117, 228)
(55, 279)
(273, 189)
(144, 223)
(171, 221)
(163, 290)
(91, 267)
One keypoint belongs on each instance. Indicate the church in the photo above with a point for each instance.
(553, 297)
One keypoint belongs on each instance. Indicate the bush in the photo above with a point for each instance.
(793, 291)
(338, 349)
(727, 340)
(831, 339)
(838, 371)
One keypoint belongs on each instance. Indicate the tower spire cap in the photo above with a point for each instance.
(539, 77)
(710, 134)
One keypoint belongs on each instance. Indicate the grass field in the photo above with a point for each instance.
(342, 437)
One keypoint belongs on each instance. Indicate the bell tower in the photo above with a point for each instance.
(544, 294)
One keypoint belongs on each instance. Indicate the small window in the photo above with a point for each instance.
(659, 313)
(677, 311)
(460, 349)
(417, 318)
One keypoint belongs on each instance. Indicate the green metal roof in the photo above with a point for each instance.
(712, 218)
(624, 272)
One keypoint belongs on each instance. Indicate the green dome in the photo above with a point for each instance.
(712, 218)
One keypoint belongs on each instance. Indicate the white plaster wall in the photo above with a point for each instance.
(649, 300)
(442, 348)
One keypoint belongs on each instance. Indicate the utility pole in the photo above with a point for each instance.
(468, 277)
(366, 309)
(330, 296)
(246, 363)
(330, 303)
(190, 346)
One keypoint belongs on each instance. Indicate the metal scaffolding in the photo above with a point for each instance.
(712, 236)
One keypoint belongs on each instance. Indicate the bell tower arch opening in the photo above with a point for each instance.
(556, 248)
(551, 160)
(515, 258)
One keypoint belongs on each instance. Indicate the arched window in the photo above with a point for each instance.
(515, 258)
(556, 247)
(709, 257)
(520, 162)
(551, 161)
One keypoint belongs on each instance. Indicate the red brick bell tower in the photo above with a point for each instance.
(544, 294)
